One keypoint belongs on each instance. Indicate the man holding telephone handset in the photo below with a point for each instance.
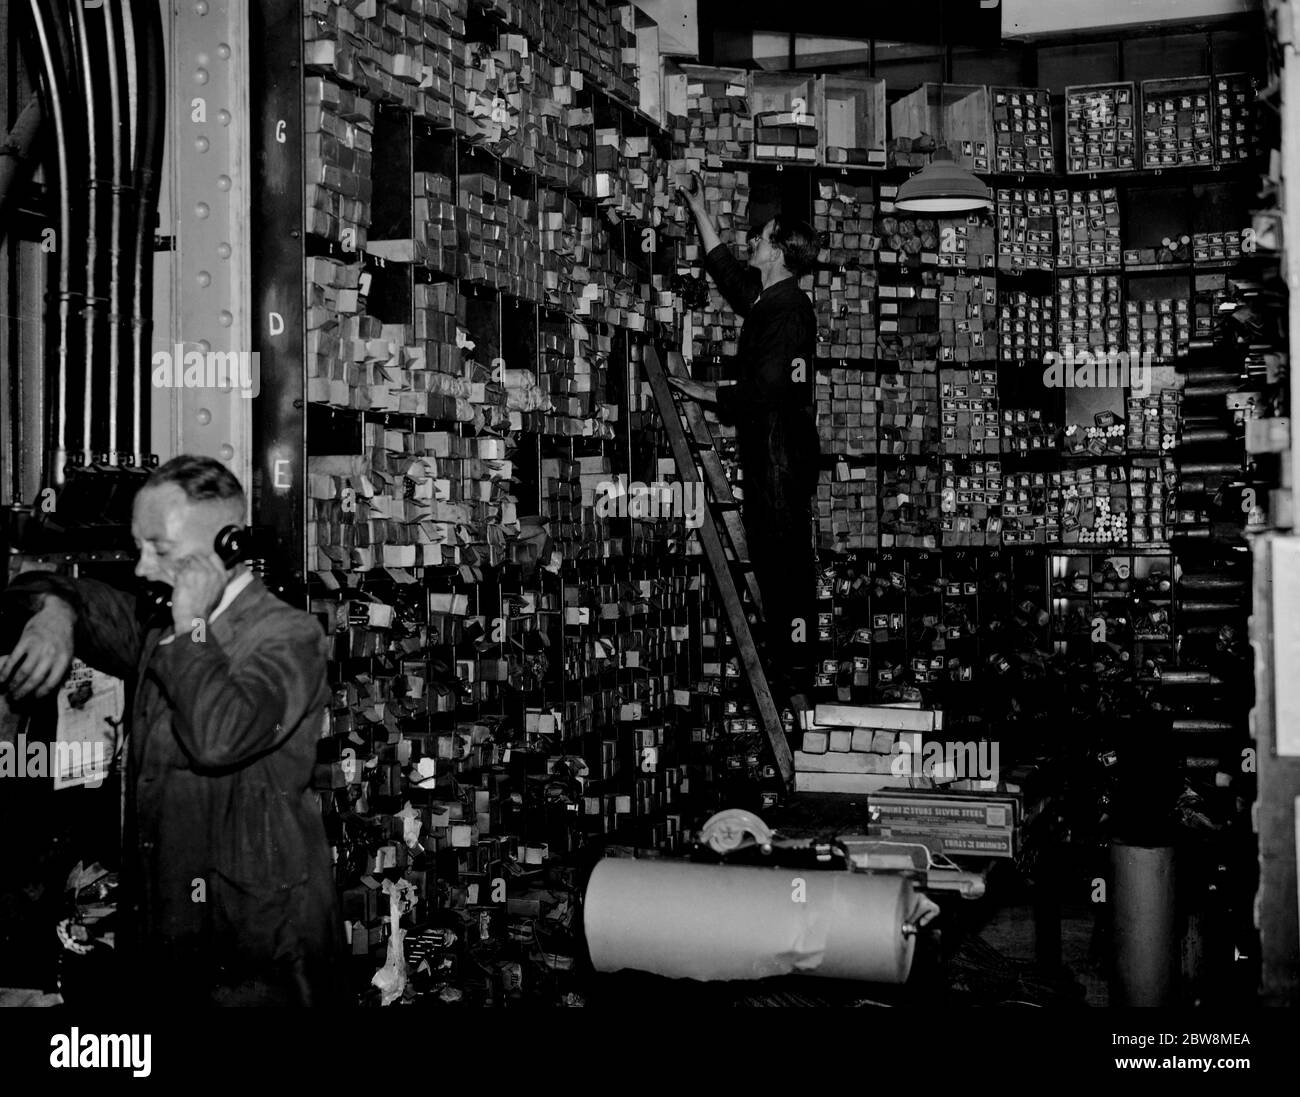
(226, 863)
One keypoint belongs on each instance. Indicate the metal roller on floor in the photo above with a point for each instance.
(686, 920)
(717, 922)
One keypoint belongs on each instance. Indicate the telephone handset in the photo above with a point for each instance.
(232, 544)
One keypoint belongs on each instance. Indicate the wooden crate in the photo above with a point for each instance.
(787, 122)
(1022, 131)
(1177, 123)
(853, 119)
(649, 67)
(956, 115)
(1101, 128)
(719, 99)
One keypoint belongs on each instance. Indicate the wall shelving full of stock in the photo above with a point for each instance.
(478, 214)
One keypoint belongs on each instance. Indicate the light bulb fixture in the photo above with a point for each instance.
(943, 186)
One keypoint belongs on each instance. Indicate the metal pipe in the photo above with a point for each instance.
(152, 75)
(1144, 912)
(116, 49)
(87, 45)
(52, 74)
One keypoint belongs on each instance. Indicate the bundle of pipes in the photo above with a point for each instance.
(105, 164)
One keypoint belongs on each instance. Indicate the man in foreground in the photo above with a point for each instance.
(226, 865)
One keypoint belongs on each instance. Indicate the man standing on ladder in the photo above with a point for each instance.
(776, 431)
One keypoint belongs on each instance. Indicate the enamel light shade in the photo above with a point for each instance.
(943, 187)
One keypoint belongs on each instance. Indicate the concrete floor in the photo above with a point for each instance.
(1011, 931)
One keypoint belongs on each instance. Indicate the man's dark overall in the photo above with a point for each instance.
(776, 435)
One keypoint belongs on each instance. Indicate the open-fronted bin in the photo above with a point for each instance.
(853, 120)
(1022, 131)
(1177, 122)
(955, 115)
(715, 103)
(786, 122)
(1100, 128)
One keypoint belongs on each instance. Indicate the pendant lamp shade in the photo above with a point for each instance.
(943, 187)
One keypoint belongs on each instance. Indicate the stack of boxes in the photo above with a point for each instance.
(575, 376)
(1090, 313)
(439, 322)
(531, 117)
(972, 494)
(969, 244)
(1236, 136)
(1176, 128)
(1100, 134)
(969, 409)
(1026, 240)
(337, 147)
(434, 216)
(848, 411)
(577, 532)
(567, 237)
(717, 125)
(848, 508)
(909, 410)
(1148, 502)
(1160, 328)
(441, 101)
(1027, 518)
(524, 276)
(336, 326)
(1022, 131)
(384, 53)
(967, 318)
(1094, 504)
(844, 217)
(1026, 326)
(480, 228)
(1024, 430)
(604, 46)
(715, 329)
(495, 102)
(845, 303)
(785, 135)
(1153, 421)
(855, 748)
(986, 827)
(1216, 247)
(910, 505)
(847, 422)
(1088, 228)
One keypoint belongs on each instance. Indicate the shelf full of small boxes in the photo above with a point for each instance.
(466, 372)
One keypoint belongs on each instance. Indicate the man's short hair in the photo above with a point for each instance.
(798, 243)
(203, 479)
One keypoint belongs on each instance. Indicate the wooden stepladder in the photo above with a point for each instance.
(722, 533)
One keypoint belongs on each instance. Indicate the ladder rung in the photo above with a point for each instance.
(722, 535)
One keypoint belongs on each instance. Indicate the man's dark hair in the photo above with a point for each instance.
(798, 243)
(203, 479)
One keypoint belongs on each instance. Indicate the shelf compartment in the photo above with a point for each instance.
(955, 115)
